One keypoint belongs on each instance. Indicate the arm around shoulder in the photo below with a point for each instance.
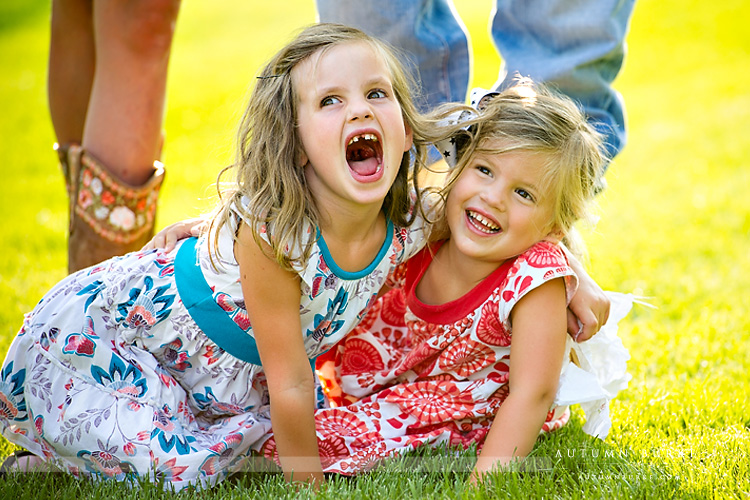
(168, 237)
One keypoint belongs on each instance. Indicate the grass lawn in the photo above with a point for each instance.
(675, 226)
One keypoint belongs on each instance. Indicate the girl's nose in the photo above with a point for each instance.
(494, 196)
(359, 109)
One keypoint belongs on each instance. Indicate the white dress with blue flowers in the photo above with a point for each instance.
(110, 375)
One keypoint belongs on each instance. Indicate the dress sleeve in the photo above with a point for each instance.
(539, 264)
(267, 235)
(415, 237)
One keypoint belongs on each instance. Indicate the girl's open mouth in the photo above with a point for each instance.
(364, 154)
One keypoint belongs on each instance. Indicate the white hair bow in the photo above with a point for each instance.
(447, 147)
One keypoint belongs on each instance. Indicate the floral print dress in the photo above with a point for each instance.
(110, 375)
(414, 374)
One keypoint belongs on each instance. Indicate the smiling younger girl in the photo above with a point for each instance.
(470, 347)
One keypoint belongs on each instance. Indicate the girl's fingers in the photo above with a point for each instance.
(170, 240)
(587, 325)
(168, 237)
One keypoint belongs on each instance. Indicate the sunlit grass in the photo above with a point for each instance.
(675, 227)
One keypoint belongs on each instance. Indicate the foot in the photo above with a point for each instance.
(108, 217)
(24, 461)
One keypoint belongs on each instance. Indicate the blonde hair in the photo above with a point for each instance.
(531, 117)
(266, 165)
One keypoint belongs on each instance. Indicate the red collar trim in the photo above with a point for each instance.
(455, 310)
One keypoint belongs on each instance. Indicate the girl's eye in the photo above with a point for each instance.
(327, 101)
(484, 170)
(377, 94)
(525, 194)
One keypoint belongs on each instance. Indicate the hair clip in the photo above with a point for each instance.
(266, 77)
(448, 147)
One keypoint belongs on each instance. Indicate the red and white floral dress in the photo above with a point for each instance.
(413, 374)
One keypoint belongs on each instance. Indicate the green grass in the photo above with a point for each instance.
(675, 226)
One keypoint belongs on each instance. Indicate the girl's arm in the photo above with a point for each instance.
(589, 306)
(272, 297)
(536, 355)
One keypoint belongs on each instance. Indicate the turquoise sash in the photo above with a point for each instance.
(198, 298)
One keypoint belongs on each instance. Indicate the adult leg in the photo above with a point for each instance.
(113, 182)
(71, 67)
(124, 120)
(576, 46)
(428, 31)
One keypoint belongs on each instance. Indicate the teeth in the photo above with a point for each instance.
(364, 137)
(488, 226)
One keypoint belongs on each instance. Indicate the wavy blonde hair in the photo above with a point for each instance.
(268, 147)
(531, 117)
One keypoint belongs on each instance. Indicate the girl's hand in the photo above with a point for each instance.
(588, 310)
(168, 237)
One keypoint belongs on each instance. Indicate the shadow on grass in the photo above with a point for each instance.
(16, 13)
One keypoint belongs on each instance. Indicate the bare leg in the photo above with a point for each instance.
(25, 462)
(71, 67)
(124, 120)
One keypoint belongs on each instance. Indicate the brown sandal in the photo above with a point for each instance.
(108, 217)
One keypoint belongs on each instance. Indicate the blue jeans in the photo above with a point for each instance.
(576, 46)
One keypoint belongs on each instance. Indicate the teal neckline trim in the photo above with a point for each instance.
(346, 275)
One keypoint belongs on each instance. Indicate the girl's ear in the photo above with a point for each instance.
(555, 235)
(409, 137)
(301, 160)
